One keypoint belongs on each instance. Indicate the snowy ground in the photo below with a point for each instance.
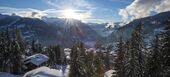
(4, 74)
(41, 72)
(46, 72)
(109, 73)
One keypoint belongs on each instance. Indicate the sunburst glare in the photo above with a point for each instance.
(72, 14)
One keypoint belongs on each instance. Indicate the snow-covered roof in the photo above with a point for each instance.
(36, 59)
(67, 49)
(43, 72)
(109, 73)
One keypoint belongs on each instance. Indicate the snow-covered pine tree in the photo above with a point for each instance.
(20, 40)
(166, 49)
(1, 56)
(154, 66)
(120, 59)
(135, 65)
(39, 48)
(6, 49)
(82, 63)
(54, 53)
(107, 57)
(51, 56)
(99, 66)
(90, 64)
(11, 55)
(74, 63)
(36, 47)
(81, 56)
(33, 47)
(57, 53)
(3, 51)
(18, 49)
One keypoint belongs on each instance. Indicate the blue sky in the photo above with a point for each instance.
(93, 10)
(101, 10)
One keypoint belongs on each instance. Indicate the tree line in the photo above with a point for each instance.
(14, 50)
(136, 59)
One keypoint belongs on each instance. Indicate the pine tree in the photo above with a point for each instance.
(120, 59)
(135, 65)
(99, 66)
(6, 51)
(166, 49)
(16, 58)
(57, 52)
(55, 55)
(11, 55)
(90, 64)
(155, 58)
(107, 58)
(82, 59)
(20, 40)
(33, 47)
(36, 47)
(79, 60)
(16, 52)
(51, 56)
(74, 63)
(39, 48)
(2, 49)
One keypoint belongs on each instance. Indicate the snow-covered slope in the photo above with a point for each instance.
(44, 72)
(100, 29)
(151, 24)
(4, 74)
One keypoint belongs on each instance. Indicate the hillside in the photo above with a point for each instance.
(51, 33)
(151, 24)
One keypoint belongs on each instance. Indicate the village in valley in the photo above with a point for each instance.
(54, 61)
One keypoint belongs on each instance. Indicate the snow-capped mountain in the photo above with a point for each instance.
(61, 32)
(100, 29)
(151, 25)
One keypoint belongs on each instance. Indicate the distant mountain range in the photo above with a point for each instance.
(51, 31)
(152, 24)
(65, 32)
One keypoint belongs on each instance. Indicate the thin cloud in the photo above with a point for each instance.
(97, 20)
(82, 7)
(34, 13)
(121, 1)
(59, 13)
(69, 3)
(23, 12)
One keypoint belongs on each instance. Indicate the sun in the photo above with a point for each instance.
(72, 14)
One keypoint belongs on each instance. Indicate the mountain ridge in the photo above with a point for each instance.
(51, 34)
(150, 23)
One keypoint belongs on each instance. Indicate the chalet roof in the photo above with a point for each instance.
(44, 72)
(36, 59)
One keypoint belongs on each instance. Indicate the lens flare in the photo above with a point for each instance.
(72, 14)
